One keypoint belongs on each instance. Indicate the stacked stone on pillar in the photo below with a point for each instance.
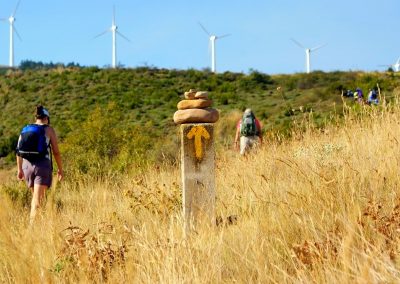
(195, 108)
(196, 117)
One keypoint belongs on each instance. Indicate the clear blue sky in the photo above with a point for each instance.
(360, 34)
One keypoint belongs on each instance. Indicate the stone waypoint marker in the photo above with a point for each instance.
(197, 158)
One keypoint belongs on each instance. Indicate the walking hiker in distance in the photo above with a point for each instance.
(248, 129)
(372, 97)
(34, 150)
(359, 96)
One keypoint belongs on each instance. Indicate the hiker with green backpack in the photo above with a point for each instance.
(248, 129)
(36, 144)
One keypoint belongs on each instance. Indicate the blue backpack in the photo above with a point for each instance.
(32, 143)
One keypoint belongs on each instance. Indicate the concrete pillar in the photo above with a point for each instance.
(198, 174)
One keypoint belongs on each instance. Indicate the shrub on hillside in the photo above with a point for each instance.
(336, 88)
(17, 193)
(255, 81)
(7, 145)
(102, 145)
(225, 98)
(260, 79)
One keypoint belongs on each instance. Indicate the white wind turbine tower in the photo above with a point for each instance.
(308, 52)
(13, 30)
(114, 31)
(212, 39)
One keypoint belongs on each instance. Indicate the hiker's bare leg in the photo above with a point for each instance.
(38, 195)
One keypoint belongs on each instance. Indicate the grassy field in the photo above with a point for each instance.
(146, 98)
(322, 206)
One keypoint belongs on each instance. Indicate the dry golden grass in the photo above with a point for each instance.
(321, 207)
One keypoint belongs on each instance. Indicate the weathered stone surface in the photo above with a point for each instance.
(207, 115)
(198, 175)
(186, 104)
(201, 95)
(190, 95)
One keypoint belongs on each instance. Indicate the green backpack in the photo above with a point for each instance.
(248, 125)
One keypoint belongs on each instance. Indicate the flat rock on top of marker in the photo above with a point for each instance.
(186, 104)
(190, 95)
(201, 95)
(206, 115)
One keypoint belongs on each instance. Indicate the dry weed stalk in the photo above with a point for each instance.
(326, 250)
(91, 252)
(155, 198)
(386, 224)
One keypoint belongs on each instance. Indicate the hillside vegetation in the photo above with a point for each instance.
(322, 206)
(128, 112)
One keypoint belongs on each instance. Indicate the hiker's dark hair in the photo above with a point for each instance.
(40, 113)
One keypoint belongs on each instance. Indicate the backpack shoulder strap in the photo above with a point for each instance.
(44, 127)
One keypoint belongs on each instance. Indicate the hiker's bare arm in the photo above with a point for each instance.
(20, 174)
(260, 136)
(56, 151)
(237, 136)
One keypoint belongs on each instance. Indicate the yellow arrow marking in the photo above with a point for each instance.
(197, 132)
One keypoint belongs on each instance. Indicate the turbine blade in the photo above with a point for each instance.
(204, 29)
(124, 37)
(297, 43)
(225, 35)
(3, 19)
(16, 8)
(318, 47)
(16, 32)
(102, 33)
(398, 61)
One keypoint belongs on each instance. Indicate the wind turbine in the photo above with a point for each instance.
(212, 39)
(11, 20)
(114, 31)
(395, 66)
(308, 52)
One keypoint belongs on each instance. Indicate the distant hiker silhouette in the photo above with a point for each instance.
(248, 130)
(372, 97)
(359, 96)
(34, 150)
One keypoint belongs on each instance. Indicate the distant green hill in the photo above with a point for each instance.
(148, 96)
